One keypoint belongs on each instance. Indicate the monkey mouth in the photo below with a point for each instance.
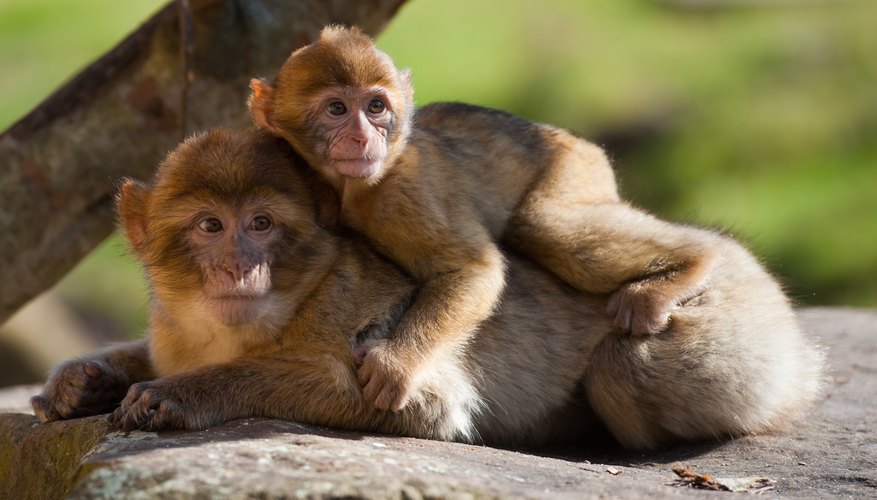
(356, 167)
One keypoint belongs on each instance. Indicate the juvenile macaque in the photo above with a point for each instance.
(435, 191)
(258, 310)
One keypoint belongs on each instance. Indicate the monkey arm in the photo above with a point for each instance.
(648, 265)
(94, 383)
(311, 385)
(448, 308)
(439, 240)
(452, 302)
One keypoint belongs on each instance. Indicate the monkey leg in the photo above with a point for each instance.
(647, 265)
(728, 365)
(92, 384)
(576, 172)
(647, 394)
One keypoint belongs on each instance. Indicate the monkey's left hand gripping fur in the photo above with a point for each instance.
(386, 377)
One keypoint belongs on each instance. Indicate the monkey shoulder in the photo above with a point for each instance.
(442, 115)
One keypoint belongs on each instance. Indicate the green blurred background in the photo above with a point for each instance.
(759, 120)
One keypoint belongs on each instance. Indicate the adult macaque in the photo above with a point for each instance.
(258, 310)
(436, 191)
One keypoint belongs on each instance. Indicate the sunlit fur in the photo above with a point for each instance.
(203, 176)
(344, 58)
(539, 370)
(463, 181)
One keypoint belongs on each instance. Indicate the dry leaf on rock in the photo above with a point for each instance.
(692, 479)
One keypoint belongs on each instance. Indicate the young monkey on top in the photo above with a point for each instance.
(437, 195)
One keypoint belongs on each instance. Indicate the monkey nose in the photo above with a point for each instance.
(246, 276)
(235, 273)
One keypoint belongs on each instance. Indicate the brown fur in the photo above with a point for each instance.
(455, 183)
(732, 361)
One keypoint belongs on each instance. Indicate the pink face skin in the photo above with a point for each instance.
(357, 122)
(235, 262)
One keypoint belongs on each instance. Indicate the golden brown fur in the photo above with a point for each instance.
(732, 360)
(436, 197)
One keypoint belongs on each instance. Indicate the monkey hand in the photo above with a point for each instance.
(385, 376)
(153, 406)
(79, 388)
(640, 308)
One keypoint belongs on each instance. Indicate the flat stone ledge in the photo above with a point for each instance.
(833, 452)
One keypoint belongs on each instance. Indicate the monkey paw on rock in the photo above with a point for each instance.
(639, 309)
(79, 388)
(385, 375)
(152, 406)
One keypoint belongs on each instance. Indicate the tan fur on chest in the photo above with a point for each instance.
(196, 343)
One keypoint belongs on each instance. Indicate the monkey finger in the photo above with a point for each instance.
(649, 324)
(399, 402)
(43, 409)
(617, 304)
(171, 414)
(366, 371)
(359, 355)
(113, 418)
(135, 420)
(118, 415)
(370, 391)
(363, 376)
(135, 392)
(620, 310)
(383, 400)
(135, 408)
(623, 320)
(134, 416)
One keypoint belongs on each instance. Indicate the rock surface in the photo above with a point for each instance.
(833, 452)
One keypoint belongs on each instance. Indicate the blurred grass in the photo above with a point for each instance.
(759, 120)
(42, 44)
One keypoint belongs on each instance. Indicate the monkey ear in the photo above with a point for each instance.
(407, 83)
(261, 104)
(131, 210)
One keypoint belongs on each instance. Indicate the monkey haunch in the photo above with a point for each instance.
(257, 310)
(436, 191)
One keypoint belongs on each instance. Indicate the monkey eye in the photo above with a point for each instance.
(336, 108)
(210, 225)
(260, 223)
(376, 107)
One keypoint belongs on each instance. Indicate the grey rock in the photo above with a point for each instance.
(831, 452)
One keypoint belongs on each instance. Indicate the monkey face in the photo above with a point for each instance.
(354, 125)
(234, 251)
(226, 225)
(341, 103)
